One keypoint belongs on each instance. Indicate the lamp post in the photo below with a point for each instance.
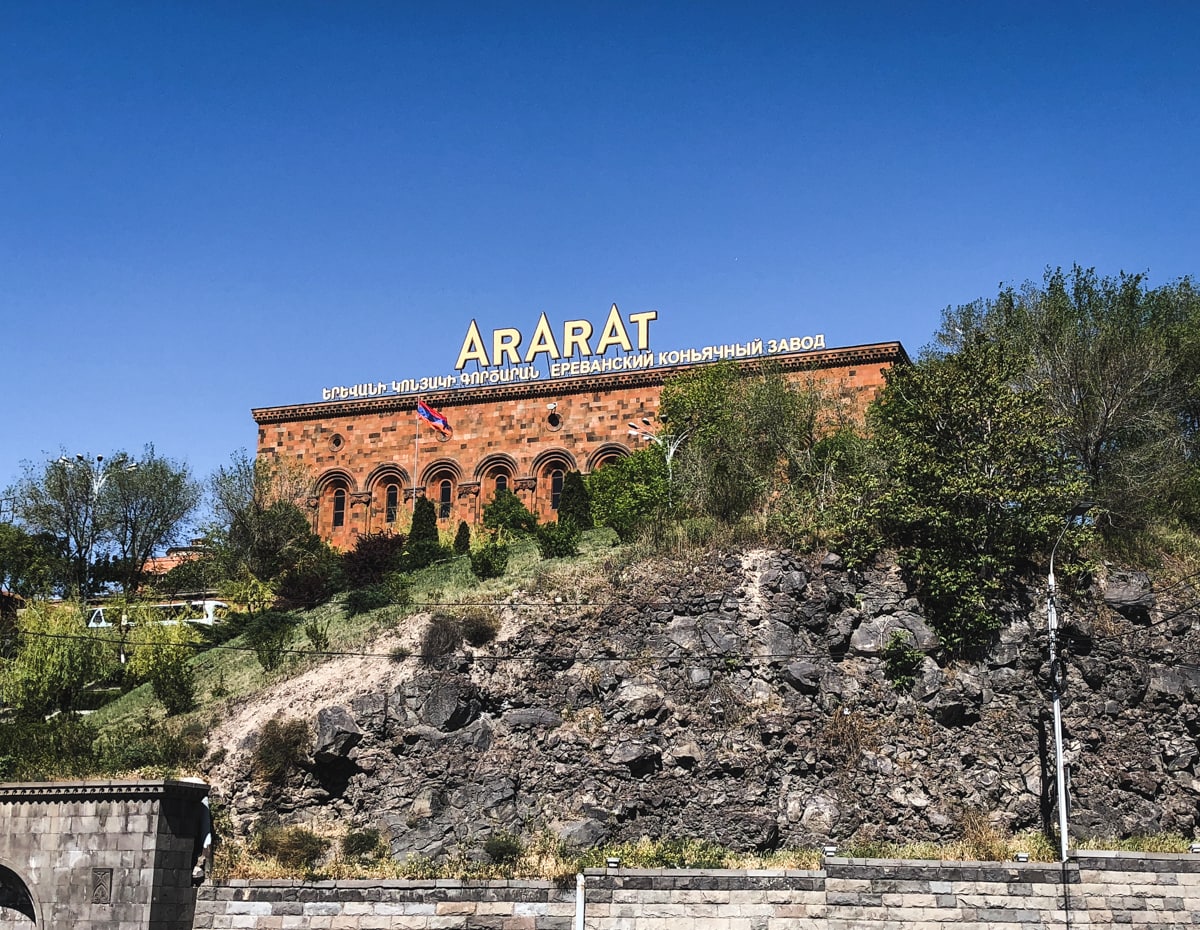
(668, 442)
(98, 473)
(1055, 690)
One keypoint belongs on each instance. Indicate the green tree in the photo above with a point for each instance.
(31, 565)
(1119, 363)
(574, 505)
(114, 508)
(748, 435)
(144, 509)
(161, 654)
(424, 523)
(974, 481)
(57, 657)
(627, 493)
(462, 539)
(259, 526)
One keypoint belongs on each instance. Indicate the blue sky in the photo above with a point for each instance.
(208, 207)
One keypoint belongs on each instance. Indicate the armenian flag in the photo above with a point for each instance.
(433, 418)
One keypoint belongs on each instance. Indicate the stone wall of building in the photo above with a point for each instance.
(363, 447)
(1102, 889)
(111, 854)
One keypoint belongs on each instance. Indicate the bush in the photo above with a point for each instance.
(372, 597)
(163, 657)
(292, 847)
(424, 524)
(317, 634)
(361, 844)
(902, 660)
(442, 636)
(373, 558)
(489, 560)
(558, 540)
(503, 847)
(269, 634)
(40, 750)
(506, 512)
(479, 626)
(462, 539)
(421, 554)
(313, 579)
(164, 747)
(575, 505)
(282, 745)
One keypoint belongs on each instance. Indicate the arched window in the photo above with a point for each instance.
(339, 507)
(444, 496)
(392, 507)
(501, 482)
(556, 483)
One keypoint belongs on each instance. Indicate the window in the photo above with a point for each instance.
(392, 506)
(501, 482)
(444, 499)
(556, 483)
(339, 507)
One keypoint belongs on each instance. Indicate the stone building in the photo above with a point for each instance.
(370, 455)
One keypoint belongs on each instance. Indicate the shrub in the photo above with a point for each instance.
(503, 847)
(282, 745)
(506, 512)
(462, 539)
(489, 560)
(314, 578)
(575, 504)
(292, 847)
(163, 657)
(442, 636)
(39, 750)
(164, 747)
(479, 626)
(372, 597)
(421, 554)
(374, 556)
(317, 634)
(902, 660)
(361, 844)
(558, 540)
(269, 634)
(424, 524)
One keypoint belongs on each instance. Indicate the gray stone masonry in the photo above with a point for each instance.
(116, 855)
(1094, 889)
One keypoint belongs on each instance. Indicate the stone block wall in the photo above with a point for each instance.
(1101, 889)
(86, 855)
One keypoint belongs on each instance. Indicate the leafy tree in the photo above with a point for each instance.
(146, 508)
(748, 435)
(1119, 363)
(974, 481)
(57, 657)
(628, 492)
(161, 654)
(506, 512)
(574, 504)
(31, 565)
(91, 504)
(259, 526)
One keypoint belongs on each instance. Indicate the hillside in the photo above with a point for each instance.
(743, 697)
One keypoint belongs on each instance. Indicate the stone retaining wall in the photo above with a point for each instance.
(1105, 889)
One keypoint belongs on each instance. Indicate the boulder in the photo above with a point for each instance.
(337, 733)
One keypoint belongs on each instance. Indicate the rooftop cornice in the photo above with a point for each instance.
(892, 352)
(65, 791)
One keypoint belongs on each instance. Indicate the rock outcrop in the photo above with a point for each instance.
(747, 701)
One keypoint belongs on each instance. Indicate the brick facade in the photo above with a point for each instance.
(368, 455)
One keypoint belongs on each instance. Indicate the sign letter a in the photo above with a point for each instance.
(543, 341)
(472, 349)
(614, 333)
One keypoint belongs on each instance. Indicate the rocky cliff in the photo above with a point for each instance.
(746, 700)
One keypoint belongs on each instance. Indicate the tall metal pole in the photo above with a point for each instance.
(1059, 769)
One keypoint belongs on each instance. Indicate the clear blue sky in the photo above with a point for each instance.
(207, 207)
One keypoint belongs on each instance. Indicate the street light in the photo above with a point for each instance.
(1055, 696)
(668, 442)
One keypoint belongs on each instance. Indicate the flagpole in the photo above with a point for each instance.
(416, 449)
